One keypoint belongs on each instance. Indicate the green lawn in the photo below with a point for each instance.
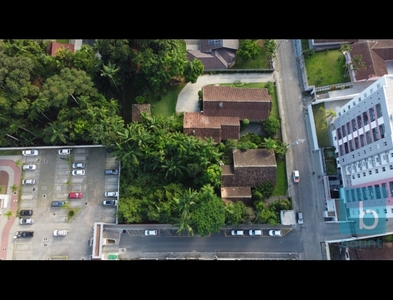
(320, 125)
(281, 185)
(63, 41)
(10, 152)
(166, 107)
(330, 161)
(258, 63)
(326, 68)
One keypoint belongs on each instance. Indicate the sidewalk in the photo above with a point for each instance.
(6, 224)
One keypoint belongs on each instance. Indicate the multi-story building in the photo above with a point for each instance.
(364, 150)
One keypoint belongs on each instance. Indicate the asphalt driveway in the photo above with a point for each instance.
(187, 100)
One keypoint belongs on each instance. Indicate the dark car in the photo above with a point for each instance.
(58, 203)
(26, 212)
(111, 172)
(23, 234)
(109, 202)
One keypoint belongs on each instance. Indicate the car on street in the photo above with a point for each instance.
(300, 218)
(26, 221)
(64, 151)
(29, 152)
(23, 234)
(254, 232)
(237, 232)
(78, 172)
(78, 165)
(58, 203)
(60, 232)
(275, 233)
(111, 172)
(109, 202)
(76, 195)
(111, 194)
(29, 167)
(151, 232)
(296, 176)
(26, 212)
(28, 181)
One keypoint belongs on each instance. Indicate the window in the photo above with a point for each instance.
(364, 174)
(339, 133)
(368, 137)
(358, 175)
(383, 169)
(365, 118)
(371, 192)
(354, 124)
(372, 114)
(370, 172)
(378, 109)
(377, 191)
(348, 128)
(376, 171)
(362, 142)
(384, 190)
(375, 134)
(385, 143)
(382, 130)
(365, 95)
(343, 130)
(391, 167)
(385, 211)
(360, 122)
(359, 194)
(365, 196)
(391, 188)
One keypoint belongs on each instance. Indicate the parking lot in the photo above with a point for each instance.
(54, 181)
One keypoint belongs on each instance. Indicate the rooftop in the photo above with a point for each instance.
(254, 158)
(227, 93)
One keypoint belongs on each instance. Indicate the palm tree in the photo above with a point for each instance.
(110, 71)
(56, 131)
(184, 203)
(269, 143)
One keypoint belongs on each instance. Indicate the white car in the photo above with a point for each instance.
(60, 232)
(29, 152)
(255, 232)
(237, 232)
(64, 151)
(150, 232)
(109, 202)
(111, 194)
(78, 172)
(296, 176)
(28, 181)
(78, 165)
(29, 167)
(275, 233)
(26, 221)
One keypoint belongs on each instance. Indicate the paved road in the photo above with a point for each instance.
(14, 177)
(188, 97)
(136, 244)
(307, 196)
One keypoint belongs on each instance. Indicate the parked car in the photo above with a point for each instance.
(275, 233)
(26, 221)
(151, 232)
(109, 202)
(23, 234)
(26, 212)
(29, 167)
(237, 232)
(28, 181)
(300, 218)
(64, 151)
(29, 152)
(255, 232)
(60, 232)
(111, 194)
(58, 203)
(76, 195)
(296, 176)
(78, 172)
(78, 165)
(111, 172)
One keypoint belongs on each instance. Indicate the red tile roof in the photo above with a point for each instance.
(374, 54)
(54, 46)
(253, 104)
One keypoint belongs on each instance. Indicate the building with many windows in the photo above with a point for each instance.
(364, 150)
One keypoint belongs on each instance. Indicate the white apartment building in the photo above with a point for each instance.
(364, 149)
